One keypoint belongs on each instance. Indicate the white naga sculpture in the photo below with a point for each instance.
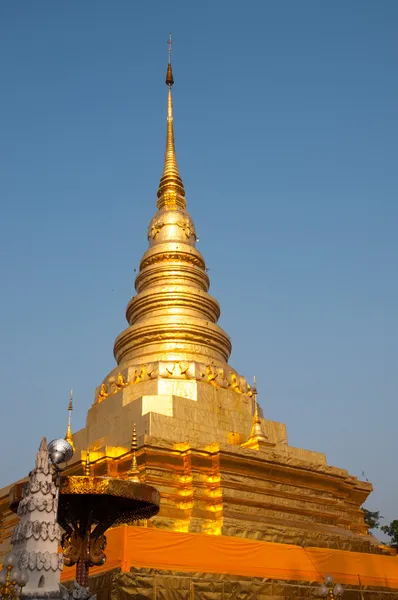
(36, 538)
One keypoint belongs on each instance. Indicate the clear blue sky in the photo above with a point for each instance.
(286, 126)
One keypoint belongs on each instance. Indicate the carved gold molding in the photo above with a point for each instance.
(186, 370)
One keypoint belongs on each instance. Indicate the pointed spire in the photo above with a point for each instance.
(257, 434)
(42, 460)
(68, 436)
(43, 445)
(133, 472)
(182, 320)
(134, 442)
(169, 74)
(171, 186)
(87, 466)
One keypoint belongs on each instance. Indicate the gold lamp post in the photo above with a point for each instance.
(90, 505)
(12, 579)
(329, 589)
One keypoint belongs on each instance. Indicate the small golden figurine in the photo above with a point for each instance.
(211, 375)
(234, 383)
(120, 383)
(102, 393)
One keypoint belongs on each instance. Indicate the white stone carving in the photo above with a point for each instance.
(78, 593)
(36, 537)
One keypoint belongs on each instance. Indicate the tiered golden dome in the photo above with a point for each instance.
(172, 317)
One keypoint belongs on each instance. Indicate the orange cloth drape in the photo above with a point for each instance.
(153, 548)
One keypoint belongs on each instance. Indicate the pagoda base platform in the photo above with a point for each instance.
(150, 563)
(213, 477)
(152, 584)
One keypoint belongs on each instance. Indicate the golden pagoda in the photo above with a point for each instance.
(237, 501)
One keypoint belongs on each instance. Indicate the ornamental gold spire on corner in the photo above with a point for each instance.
(133, 473)
(257, 438)
(257, 428)
(87, 465)
(69, 436)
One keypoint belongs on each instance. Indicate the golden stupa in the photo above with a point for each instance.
(238, 503)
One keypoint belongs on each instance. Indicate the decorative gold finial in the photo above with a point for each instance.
(169, 44)
(170, 181)
(87, 467)
(133, 472)
(134, 442)
(68, 436)
(257, 428)
(169, 74)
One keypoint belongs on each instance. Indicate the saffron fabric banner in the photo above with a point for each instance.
(192, 552)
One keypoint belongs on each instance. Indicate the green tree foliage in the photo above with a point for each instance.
(392, 531)
(372, 519)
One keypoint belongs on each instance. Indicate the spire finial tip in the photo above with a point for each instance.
(169, 75)
(169, 44)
